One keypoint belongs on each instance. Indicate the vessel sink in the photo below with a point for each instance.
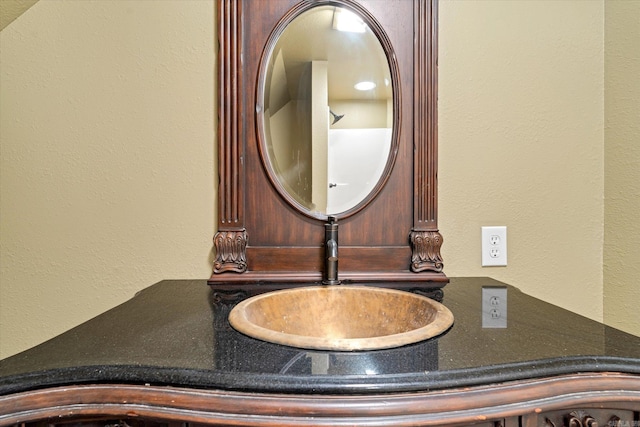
(341, 317)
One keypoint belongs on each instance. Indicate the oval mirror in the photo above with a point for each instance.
(326, 110)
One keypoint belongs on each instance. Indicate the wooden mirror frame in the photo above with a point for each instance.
(377, 32)
(261, 240)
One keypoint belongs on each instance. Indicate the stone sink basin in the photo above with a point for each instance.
(341, 317)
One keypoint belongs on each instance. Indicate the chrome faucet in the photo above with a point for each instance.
(330, 276)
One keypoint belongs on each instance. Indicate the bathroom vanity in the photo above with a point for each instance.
(168, 357)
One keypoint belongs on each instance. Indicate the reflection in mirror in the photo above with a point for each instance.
(327, 111)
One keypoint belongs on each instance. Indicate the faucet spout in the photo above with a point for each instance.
(330, 276)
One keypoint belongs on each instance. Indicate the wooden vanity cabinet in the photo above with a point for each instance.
(611, 415)
(604, 399)
(168, 357)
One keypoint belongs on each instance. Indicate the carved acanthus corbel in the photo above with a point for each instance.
(425, 248)
(231, 251)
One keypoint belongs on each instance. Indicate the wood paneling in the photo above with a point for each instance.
(396, 232)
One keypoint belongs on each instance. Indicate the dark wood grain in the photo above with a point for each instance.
(230, 241)
(404, 203)
(497, 403)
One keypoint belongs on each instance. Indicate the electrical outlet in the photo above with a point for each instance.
(494, 307)
(494, 246)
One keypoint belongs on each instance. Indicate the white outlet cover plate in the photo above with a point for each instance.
(490, 234)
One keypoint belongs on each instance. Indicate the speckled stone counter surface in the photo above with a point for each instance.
(174, 333)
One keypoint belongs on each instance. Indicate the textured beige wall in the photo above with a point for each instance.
(521, 143)
(107, 131)
(11, 9)
(622, 165)
(107, 166)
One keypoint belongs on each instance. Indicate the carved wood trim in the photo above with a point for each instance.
(425, 115)
(406, 204)
(438, 408)
(228, 297)
(425, 238)
(426, 251)
(231, 251)
(581, 418)
(230, 147)
(231, 240)
(614, 421)
(433, 293)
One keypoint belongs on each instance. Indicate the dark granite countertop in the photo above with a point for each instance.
(173, 333)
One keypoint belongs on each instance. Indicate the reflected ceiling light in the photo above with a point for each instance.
(345, 20)
(365, 85)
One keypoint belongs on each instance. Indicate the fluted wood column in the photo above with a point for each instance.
(231, 239)
(425, 238)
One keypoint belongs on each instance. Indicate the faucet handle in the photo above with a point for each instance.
(330, 276)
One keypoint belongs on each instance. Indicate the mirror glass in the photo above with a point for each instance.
(326, 107)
